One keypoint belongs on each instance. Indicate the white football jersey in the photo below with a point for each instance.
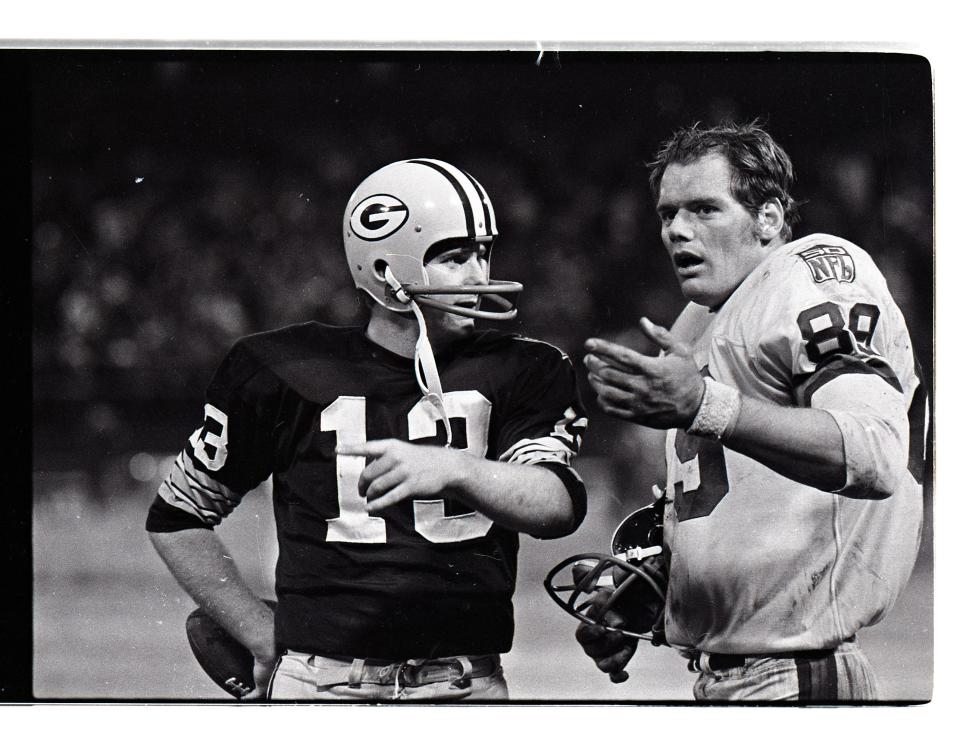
(761, 563)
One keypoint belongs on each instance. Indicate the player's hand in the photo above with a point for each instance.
(609, 649)
(264, 658)
(400, 470)
(262, 672)
(660, 392)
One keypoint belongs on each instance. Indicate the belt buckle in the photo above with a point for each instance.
(702, 664)
(400, 680)
(414, 673)
(466, 668)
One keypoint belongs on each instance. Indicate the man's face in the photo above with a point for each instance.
(463, 263)
(712, 239)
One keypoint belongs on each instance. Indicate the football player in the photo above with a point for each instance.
(794, 418)
(406, 455)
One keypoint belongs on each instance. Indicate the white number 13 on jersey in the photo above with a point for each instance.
(348, 417)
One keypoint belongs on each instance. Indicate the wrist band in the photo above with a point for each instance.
(718, 410)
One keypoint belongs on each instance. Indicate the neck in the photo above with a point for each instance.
(393, 331)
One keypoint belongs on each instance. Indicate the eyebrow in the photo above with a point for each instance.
(690, 204)
(454, 251)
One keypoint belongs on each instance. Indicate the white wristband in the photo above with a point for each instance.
(718, 410)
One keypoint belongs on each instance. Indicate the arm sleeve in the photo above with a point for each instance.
(545, 422)
(227, 456)
(869, 409)
(842, 344)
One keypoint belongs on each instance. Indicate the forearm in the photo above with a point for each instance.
(803, 444)
(523, 497)
(200, 563)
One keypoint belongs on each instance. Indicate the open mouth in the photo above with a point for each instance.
(685, 261)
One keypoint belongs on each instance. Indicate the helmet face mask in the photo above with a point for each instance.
(632, 579)
(397, 214)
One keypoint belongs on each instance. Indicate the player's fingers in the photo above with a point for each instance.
(614, 665)
(368, 448)
(620, 575)
(617, 655)
(663, 338)
(380, 466)
(371, 449)
(629, 381)
(617, 354)
(381, 485)
(600, 643)
(588, 633)
(373, 471)
(581, 570)
(601, 368)
(597, 603)
(596, 364)
(395, 494)
(602, 387)
(593, 639)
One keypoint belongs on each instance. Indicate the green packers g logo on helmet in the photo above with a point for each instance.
(378, 216)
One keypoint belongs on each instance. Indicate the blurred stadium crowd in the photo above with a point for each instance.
(182, 201)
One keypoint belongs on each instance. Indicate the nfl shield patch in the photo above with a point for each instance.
(829, 262)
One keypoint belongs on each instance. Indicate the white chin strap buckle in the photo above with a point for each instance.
(396, 287)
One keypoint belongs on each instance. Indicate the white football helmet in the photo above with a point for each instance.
(397, 214)
(637, 570)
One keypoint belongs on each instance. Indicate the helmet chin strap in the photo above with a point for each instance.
(424, 362)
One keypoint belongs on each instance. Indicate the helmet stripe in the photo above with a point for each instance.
(483, 202)
(461, 192)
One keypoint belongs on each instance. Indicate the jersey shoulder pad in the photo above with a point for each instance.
(515, 345)
(815, 298)
(809, 271)
(830, 262)
(265, 350)
(297, 341)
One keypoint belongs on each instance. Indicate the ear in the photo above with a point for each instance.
(770, 220)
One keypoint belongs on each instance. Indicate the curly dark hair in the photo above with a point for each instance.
(762, 170)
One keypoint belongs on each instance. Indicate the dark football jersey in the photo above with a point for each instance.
(422, 578)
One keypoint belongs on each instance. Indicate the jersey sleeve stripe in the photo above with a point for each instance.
(540, 457)
(174, 496)
(206, 483)
(531, 451)
(209, 500)
(564, 441)
(839, 366)
(200, 501)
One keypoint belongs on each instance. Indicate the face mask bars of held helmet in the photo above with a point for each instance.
(594, 579)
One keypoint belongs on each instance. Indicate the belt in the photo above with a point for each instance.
(713, 661)
(458, 671)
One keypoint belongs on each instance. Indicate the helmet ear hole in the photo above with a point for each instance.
(380, 269)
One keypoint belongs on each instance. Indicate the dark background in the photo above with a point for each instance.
(182, 199)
